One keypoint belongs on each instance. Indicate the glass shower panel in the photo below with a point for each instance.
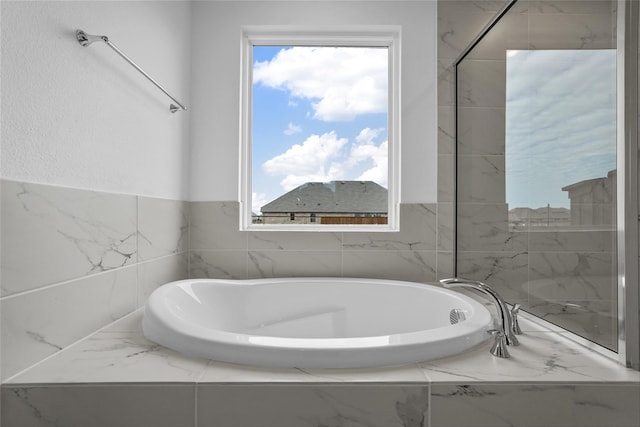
(536, 172)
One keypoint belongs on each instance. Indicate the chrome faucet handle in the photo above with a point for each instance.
(499, 347)
(515, 326)
(506, 324)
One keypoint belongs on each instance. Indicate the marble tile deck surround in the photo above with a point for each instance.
(586, 387)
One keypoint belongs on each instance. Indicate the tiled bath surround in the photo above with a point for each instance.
(75, 260)
(219, 250)
(154, 386)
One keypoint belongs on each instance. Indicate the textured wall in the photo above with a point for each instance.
(84, 118)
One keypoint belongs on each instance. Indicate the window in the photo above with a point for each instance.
(320, 130)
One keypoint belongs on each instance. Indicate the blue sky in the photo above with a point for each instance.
(560, 122)
(319, 114)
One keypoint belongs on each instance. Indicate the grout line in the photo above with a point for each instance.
(66, 282)
(91, 190)
(139, 289)
(342, 254)
(73, 344)
(195, 404)
(189, 215)
(429, 400)
(89, 276)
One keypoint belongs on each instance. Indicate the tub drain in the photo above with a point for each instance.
(456, 316)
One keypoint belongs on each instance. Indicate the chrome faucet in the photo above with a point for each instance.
(506, 335)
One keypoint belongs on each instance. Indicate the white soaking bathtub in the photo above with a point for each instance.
(314, 322)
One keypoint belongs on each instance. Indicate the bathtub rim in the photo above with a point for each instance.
(200, 341)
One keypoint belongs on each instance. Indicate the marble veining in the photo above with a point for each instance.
(590, 319)
(214, 226)
(23, 395)
(99, 406)
(485, 182)
(219, 250)
(41, 339)
(413, 409)
(218, 264)
(119, 353)
(534, 405)
(485, 228)
(38, 324)
(78, 260)
(444, 392)
(578, 32)
(417, 232)
(568, 7)
(567, 241)
(503, 270)
(67, 233)
(163, 227)
(412, 266)
(293, 240)
(314, 405)
(293, 263)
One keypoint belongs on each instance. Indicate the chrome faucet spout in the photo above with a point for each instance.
(506, 321)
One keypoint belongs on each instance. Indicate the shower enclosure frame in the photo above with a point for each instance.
(628, 307)
(627, 191)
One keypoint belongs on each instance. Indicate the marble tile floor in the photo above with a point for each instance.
(151, 385)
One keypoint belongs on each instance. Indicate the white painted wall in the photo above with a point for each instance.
(81, 116)
(216, 85)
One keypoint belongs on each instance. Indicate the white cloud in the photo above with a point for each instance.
(258, 200)
(323, 158)
(340, 82)
(292, 181)
(307, 161)
(292, 129)
(379, 155)
(366, 149)
(367, 135)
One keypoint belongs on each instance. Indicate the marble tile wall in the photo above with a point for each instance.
(218, 249)
(75, 260)
(567, 277)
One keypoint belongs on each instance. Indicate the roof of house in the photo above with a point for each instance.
(523, 214)
(332, 197)
(591, 182)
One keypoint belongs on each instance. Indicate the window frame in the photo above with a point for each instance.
(383, 36)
